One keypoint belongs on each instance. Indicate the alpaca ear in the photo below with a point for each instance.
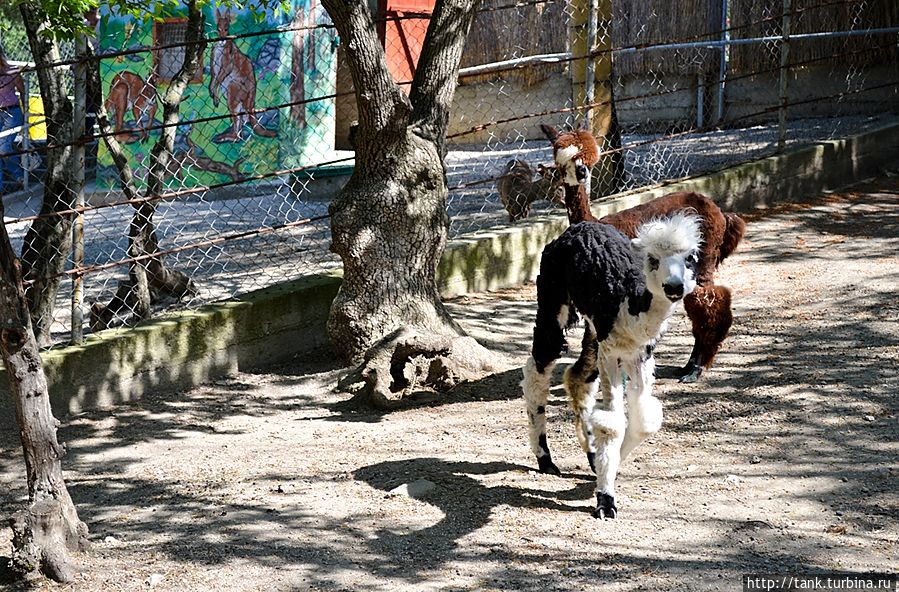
(551, 133)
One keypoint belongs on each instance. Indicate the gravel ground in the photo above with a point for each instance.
(783, 458)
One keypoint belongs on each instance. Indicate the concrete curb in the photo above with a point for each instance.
(272, 325)
(186, 348)
(498, 258)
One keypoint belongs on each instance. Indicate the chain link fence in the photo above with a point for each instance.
(264, 138)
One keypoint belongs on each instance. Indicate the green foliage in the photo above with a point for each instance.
(66, 17)
(12, 30)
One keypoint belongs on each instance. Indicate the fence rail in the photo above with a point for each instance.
(264, 136)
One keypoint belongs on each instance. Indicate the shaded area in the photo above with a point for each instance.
(782, 458)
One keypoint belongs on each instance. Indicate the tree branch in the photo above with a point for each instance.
(438, 68)
(383, 106)
(162, 152)
(126, 175)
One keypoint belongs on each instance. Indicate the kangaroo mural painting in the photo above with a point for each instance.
(128, 92)
(241, 78)
(231, 73)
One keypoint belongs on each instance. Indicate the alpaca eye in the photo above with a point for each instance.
(653, 263)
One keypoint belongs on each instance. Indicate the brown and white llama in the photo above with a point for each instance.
(708, 306)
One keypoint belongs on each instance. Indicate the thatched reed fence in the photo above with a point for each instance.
(754, 18)
(650, 22)
(503, 34)
(542, 27)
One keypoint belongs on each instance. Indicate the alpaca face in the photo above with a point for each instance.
(570, 163)
(672, 276)
(574, 152)
(670, 248)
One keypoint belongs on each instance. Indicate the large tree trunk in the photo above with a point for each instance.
(47, 530)
(149, 278)
(389, 224)
(47, 241)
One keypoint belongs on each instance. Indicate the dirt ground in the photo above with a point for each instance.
(783, 458)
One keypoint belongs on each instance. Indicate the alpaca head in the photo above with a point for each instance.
(670, 247)
(574, 152)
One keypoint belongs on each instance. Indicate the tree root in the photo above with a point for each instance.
(408, 366)
(43, 537)
(127, 304)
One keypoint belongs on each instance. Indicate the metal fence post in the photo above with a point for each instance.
(722, 63)
(784, 77)
(78, 133)
(700, 100)
(590, 73)
(27, 157)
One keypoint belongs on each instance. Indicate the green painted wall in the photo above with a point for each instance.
(236, 77)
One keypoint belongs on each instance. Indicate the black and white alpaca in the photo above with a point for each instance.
(626, 290)
(709, 306)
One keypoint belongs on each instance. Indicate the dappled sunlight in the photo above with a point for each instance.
(781, 458)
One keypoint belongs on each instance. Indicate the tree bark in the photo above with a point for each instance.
(47, 530)
(150, 278)
(609, 176)
(46, 245)
(389, 224)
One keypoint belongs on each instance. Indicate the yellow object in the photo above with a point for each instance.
(37, 128)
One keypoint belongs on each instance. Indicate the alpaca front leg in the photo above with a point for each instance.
(709, 311)
(535, 387)
(644, 410)
(583, 401)
(581, 384)
(609, 423)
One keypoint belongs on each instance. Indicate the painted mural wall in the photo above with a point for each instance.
(236, 78)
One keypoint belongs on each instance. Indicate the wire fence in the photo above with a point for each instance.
(265, 133)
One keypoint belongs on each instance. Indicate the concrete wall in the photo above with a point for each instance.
(179, 350)
(476, 104)
(273, 325)
(648, 104)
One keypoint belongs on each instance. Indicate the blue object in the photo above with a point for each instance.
(11, 118)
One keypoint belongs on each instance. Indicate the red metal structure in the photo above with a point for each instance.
(403, 34)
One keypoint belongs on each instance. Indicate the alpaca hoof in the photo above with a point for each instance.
(605, 507)
(691, 372)
(591, 458)
(691, 377)
(547, 466)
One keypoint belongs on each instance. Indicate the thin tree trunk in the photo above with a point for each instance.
(150, 278)
(389, 224)
(613, 142)
(46, 245)
(47, 530)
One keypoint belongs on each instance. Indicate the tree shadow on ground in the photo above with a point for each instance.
(823, 372)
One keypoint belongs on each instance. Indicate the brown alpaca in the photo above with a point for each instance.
(709, 306)
(574, 153)
(518, 190)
